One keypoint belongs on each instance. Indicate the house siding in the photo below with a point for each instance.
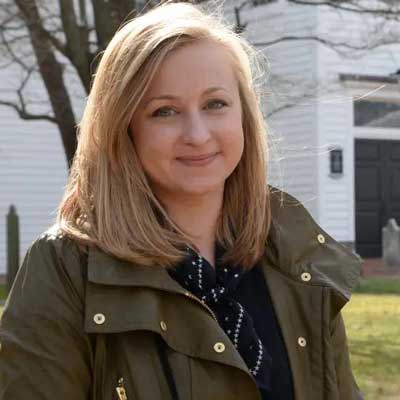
(336, 200)
(33, 173)
(292, 131)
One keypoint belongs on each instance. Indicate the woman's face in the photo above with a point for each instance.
(187, 130)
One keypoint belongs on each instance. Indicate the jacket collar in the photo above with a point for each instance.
(292, 248)
(298, 245)
(105, 269)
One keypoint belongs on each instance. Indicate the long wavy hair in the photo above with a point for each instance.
(108, 201)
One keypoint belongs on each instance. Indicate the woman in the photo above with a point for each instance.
(175, 271)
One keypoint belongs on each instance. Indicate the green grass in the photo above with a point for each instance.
(3, 292)
(379, 285)
(373, 328)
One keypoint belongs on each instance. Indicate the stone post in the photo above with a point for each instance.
(12, 246)
(391, 243)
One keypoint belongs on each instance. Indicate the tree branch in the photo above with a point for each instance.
(21, 108)
(350, 6)
(23, 114)
(11, 52)
(337, 46)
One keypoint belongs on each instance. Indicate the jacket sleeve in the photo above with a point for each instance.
(345, 378)
(45, 353)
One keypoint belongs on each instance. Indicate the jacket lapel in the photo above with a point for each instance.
(298, 308)
(304, 306)
(298, 245)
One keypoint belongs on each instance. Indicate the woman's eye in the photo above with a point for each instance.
(220, 102)
(162, 112)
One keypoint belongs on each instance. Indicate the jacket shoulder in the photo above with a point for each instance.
(53, 256)
(298, 244)
(41, 330)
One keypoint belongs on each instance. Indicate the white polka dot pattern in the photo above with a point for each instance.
(238, 324)
(215, 286)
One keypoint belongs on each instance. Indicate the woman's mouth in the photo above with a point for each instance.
(198, 160)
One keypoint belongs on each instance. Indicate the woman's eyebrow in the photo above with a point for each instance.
(172, 97)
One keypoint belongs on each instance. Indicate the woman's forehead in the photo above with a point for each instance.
(196, 67)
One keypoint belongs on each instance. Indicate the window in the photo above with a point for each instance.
(378, 114)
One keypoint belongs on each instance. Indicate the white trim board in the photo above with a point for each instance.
(376, 133)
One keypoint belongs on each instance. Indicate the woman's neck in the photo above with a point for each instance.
(197, 215)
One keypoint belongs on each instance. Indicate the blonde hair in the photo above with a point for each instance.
(108, 201)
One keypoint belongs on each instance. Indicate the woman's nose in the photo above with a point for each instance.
(196, 130)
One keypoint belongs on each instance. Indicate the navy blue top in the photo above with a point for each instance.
(252, 293)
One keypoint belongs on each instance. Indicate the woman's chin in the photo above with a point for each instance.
(200, 188)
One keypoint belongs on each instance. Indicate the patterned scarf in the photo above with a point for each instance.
(215, 287)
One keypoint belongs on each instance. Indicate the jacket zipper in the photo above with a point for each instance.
(121, 390)
(191, 295)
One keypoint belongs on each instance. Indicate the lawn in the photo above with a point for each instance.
(3, 292)
(373, 327)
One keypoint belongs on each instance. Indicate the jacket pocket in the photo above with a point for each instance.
(140, 365)
(108, 382)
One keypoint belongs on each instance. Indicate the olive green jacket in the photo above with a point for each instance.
(82, 326)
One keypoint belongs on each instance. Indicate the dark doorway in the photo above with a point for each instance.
(377, 190)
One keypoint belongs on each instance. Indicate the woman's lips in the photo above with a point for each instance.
(199, 160)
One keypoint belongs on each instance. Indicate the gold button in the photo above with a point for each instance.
(306, 277)
(321, 238)
(99, 319)
(219, 347)
(302, 341)
(163, 325)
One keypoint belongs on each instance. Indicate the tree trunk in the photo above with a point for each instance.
(108, 16)
(52, 75)
(77, 42)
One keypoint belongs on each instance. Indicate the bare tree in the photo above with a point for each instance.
(45, 37)
(55, 40)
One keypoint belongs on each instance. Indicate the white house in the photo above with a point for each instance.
(350, 105)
